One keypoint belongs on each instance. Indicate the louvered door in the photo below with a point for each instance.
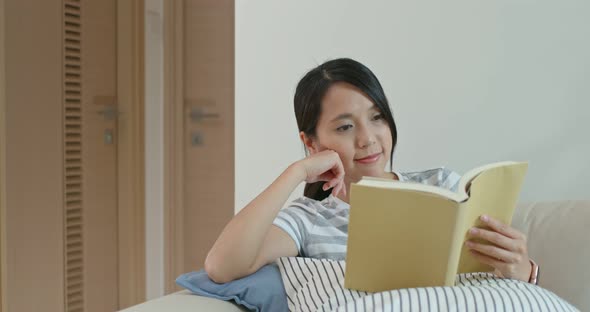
(90, 155)
(62, 224)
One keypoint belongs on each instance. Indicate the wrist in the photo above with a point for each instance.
(297, 172)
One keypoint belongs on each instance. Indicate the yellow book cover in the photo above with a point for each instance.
(403, 235)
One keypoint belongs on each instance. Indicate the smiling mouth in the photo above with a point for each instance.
(369, 159)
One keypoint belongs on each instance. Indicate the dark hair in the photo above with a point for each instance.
(312, 89)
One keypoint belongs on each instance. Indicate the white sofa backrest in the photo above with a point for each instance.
(559, 241)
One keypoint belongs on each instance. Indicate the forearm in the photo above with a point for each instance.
(236, 249)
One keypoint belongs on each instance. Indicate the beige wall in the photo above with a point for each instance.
(469, 82)
(34, 154)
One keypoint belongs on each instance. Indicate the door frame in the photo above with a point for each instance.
(2, 163)
(131, 152)
(173, 142)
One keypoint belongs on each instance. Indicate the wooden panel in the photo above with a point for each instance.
(2, 164)
(99, 111)
(173, 144)
(209, 86)
(130, 94)
(34, 156)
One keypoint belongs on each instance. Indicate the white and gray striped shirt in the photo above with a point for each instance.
(320, 228)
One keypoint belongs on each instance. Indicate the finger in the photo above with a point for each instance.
(493, 251)
(331, 183)
(338, 168)
(338, 177)
(332, 175)
(338, 172)
(501, 227)
(336, 190)
(496, 238)
(342, 188)
(493, 262)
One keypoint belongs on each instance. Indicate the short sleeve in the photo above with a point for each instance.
(450, 179)
(441, 177)
(296, 220)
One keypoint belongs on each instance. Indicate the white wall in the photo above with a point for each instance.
(469, 82)
(154, 149)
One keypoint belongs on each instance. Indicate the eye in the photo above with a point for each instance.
(378, 116)
(343, 128)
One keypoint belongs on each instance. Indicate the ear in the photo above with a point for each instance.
(309, 143)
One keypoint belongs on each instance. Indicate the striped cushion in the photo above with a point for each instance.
(317, 285)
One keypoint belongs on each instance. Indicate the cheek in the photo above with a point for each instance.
(346, 156)
(386, 138)
(345, 153)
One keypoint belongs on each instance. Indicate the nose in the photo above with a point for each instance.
(365, 137)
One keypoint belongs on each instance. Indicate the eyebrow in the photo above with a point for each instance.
(349, 115)
(342, 116)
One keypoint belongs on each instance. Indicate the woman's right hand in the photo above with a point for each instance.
(325, 166)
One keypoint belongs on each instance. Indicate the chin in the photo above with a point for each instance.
(373, 173)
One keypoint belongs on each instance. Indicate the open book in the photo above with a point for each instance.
(404, 235)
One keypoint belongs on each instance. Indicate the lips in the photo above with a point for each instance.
(369, 159)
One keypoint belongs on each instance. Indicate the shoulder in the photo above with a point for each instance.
(439, 176)
(303, 205)
(302, 208)
(312, 206)
(311, 209)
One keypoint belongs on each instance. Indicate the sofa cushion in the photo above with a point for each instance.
(185, 301)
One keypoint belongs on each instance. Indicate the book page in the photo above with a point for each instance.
(493, 192)
(466, 178)
(415, 187)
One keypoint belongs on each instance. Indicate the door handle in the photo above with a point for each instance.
(198, 115)
(110, 112)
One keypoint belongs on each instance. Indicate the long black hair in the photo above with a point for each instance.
(311, 90)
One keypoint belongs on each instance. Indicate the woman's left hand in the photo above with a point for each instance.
(507, 252)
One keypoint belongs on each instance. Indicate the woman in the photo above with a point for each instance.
(348, 129)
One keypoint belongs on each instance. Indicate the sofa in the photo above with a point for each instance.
(558, 240)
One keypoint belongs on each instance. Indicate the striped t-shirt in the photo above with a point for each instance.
(320, 228)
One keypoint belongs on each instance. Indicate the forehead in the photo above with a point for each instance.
(343, 97)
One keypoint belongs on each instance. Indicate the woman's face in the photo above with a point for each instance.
(351, 125)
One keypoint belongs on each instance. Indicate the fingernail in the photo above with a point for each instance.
(473, 230)
(468, 243)
(485, 218)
